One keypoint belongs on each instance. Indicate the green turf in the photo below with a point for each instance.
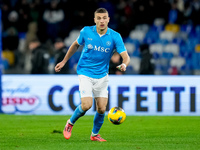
(27, 132)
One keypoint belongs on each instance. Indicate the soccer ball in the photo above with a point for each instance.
(116, 115)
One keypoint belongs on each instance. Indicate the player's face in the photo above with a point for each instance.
(101, 20)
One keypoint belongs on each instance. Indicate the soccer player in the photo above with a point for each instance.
(100, 42)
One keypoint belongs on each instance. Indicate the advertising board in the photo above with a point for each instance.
(137, 95)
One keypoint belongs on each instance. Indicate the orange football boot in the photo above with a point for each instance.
(97, 138)
(67, 130)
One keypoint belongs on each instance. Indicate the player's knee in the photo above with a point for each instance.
(86, 106)
(101, 110)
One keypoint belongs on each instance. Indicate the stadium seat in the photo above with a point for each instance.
(158, 22)
(148, 40)
(197, 48)
(182, 35)
(197, 29)
(135, 42)
(167, 35)
(157, 29)
(73, 35)
(177, 62)
(135, 63)
(187, 68)
(185, 51)
(172, 48)
(151, 37)
(9, 56)
(142, 27)
(156, 48)
(178, 41)
(164, 62)
(196, 61)
(5, 64)
(162, 41)
(167, 55)
(188, 28)
(158, 25)
(156, 55)
(172, 28)
(181, 38)
(130, 47)
(158, 70)
(138, 35)
(127, 40)
(191, 43)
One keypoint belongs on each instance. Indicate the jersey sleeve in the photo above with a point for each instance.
(119, 44)
(80, 39)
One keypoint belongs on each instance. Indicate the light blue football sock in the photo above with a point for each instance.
(98, 121)
(77, 114)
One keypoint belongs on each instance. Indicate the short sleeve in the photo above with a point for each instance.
(119, 44)
(80, 39)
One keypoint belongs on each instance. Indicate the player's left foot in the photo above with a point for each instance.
(97, 138)
(67, 130)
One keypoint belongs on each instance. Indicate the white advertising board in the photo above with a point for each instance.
(137, 95)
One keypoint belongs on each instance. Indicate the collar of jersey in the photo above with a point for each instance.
(95, 29)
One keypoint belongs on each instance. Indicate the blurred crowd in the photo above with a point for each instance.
(34, 32)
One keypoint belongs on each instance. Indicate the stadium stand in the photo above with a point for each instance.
(172, 32)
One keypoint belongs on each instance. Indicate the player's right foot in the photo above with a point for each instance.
(67, 130)
(97, 138)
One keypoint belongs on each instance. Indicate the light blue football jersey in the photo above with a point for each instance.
(97, 51)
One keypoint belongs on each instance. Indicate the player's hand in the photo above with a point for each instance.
(59, 66)
(121, 67)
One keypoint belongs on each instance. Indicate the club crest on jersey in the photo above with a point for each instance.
(90, 46)
(108, 43)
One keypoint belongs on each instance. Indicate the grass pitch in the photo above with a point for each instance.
(29, 132)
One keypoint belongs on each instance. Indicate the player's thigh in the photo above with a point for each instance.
(85, 86)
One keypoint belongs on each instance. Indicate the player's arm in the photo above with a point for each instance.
(125, 62)
(72, 49)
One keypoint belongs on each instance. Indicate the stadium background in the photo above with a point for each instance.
(170, 28)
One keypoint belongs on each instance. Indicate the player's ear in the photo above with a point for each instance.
(94, 20)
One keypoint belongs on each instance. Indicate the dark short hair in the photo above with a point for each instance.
(58, 40)
(35, 40)
(100, 10)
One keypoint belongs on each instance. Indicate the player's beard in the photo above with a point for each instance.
(103, 28)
